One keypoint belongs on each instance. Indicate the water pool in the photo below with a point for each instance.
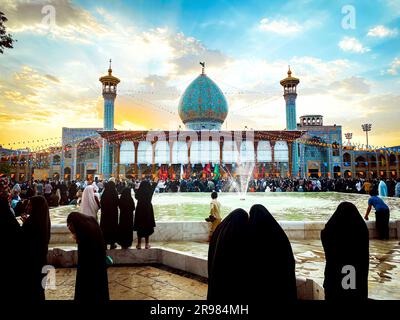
(290, 206)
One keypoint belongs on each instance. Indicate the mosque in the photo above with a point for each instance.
(305, 149)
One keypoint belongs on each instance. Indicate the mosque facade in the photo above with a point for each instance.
(307, 148)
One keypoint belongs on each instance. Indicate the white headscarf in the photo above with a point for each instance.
(16, 188)
(96, 188)
(89, 205)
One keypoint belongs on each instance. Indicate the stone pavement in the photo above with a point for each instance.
(135, 283)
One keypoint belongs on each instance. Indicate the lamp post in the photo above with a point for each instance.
(348, 136)
(366, 127)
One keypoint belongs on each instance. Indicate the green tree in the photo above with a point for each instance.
(6, 40)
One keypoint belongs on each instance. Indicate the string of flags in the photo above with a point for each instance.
(83, 143)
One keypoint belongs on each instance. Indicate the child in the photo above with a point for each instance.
(215, 210)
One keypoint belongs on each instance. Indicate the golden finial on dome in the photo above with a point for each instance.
(289, 80)
(109, 79)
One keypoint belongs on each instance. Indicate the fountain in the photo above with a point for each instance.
(244, 172)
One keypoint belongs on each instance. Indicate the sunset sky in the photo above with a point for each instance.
(50, 79)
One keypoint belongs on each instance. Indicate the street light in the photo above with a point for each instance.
(366, 127)
(349, 136)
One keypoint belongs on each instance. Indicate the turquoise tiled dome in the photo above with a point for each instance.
(203, 103)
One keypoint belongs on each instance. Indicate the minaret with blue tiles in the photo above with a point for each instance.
(109, 83)
(289, 85)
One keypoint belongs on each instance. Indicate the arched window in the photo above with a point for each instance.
(360, 162)
(230, 153)
(180, 152)
(346, 159)
(247, 151)
(68, 151)
(281, 151)
(56, 160)
(392, 160)
(264, 153)
(127, 152)
(335, 149)
(204, 152)
(372, 161)
(161, 152)
(145, 153)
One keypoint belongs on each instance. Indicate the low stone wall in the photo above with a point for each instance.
(198, 231)
(308, 230)
(307, 289)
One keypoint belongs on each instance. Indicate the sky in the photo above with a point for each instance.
(345, 53)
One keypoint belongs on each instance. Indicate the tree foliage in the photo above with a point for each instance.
(6, 40)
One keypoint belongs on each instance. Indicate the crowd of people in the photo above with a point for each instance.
(27, 225)
(70, 192)
(276, 184)
(345, 237)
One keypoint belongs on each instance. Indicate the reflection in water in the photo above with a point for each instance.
(384, 266)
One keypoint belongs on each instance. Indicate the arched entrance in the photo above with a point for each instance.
(336, 171)
(88, 156)
(56, 160)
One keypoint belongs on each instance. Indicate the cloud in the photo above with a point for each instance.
(352, 85)
(157, 88)
(52, 78)
(39, 99)
(316, 73)
(282, 26)
(58, 18)
(349, 44)
(394, 6)
(380, 110)
(381, 32)
(395, 66)
(188, 52)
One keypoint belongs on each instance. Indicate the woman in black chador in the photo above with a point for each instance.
(91, 276)
(271, 264)
(36, 237)
(144, 216)
(109, 214)
(346, 244)
(227, 259)
(12, 267)
(125, 227)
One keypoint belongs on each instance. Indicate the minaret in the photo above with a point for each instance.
(109, 83)
(289, 85)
